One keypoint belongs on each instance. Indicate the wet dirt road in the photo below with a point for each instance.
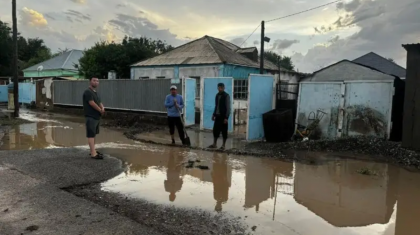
(277, 197)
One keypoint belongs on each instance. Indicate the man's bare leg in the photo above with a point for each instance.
(224, 144)
(214, 145)
(91, 142)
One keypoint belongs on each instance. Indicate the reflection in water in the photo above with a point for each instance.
(277, 197)
(259, 183)
(222, 177)
(341, 196)
(173, 182)
(47, 133)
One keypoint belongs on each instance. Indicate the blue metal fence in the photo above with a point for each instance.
(3, 94)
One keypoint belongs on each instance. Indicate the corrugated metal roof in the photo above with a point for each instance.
(66, 61)
(205, 50)
(380, 63)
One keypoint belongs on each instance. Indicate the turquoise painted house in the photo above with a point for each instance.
(205, 57)
(64, 65)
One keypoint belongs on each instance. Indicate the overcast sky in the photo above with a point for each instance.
(314, 40)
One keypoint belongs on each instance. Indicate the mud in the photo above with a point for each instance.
(6, 120)
(311, 192)
(378, 149)
(165, 219)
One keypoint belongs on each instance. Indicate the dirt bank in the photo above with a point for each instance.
(165, 219)
(378, 149)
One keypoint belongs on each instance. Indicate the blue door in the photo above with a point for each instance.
(189, 100)
(260, 101)
(208, 95)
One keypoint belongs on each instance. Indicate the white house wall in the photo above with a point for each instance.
(202, 71)
(167, 72)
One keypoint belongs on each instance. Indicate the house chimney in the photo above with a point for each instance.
(251, 53)
(411, 123)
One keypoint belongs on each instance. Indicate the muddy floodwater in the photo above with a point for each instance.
(332, 197)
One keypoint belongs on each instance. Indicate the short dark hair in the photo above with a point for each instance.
(90, 79)
(220, 85)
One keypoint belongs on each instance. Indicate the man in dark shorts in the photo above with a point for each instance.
(94, 110)
(174, 104)
(221, 116)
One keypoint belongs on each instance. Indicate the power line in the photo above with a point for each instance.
(289, 16)
(303, 11)
(250, 35)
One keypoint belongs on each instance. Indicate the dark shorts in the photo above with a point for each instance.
(220, 126)
(92, 127)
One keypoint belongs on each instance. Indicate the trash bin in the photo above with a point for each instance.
(278, 125)
(11, 100)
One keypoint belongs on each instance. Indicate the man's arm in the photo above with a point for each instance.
(88, 96)
(95, 106)
(227, 106)
(181, 103)
(168, 102)
(215, 107)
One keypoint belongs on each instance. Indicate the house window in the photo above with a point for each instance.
(160, 77)
(240, 89)
(143, 78)
(197, 87)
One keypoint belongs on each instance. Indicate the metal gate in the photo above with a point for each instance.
(287, 96)
(208, 94)
(189, 100)
(260, 101)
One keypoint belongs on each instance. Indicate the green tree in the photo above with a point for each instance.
(30, 51)
(104, 56)
(41, 55)
(5, 49)
(285, 61)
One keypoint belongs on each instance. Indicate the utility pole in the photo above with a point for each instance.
(262, 48)
(15, 62)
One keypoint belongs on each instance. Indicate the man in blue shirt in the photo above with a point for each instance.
(174, 104)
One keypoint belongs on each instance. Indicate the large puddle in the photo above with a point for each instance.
(331, 198)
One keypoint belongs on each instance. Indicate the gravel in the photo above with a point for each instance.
(165, 219)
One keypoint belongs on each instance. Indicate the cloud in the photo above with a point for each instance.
(78, 15)
(281, 44)
(69, 19)
(382, 27)
(142, 27)
(238, 42)
(32, 18)
(49, 16)
(121, 5)
(79, 1)
(350, 6)
(256, 42)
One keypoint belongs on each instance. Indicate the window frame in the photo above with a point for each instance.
(240, 89)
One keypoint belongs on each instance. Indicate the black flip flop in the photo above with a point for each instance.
(212, 147)
(222, 148)
(97, 152)
(98, 157)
